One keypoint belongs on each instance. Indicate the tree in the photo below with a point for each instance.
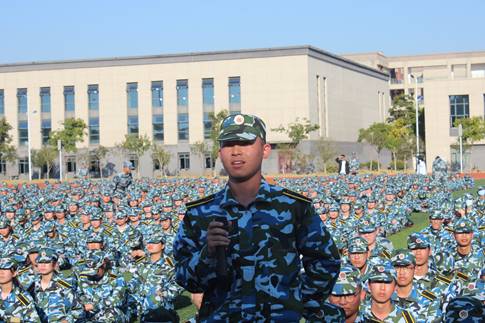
(98, 154)
(397, 138)
(7, 150)
(297, 131)
(73, 132)
(375, 135)
(161, 156)
(44, 157)
(136, 145)
(473, 129)
(326, 152)
(213, 146)
(403, 108)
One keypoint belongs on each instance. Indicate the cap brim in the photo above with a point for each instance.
(233, 136)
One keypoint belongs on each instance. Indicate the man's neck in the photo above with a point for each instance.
(381, 310)
(154, 257)
(6, 289)
(422, 270)
(45, 280)
(245, 192)
(404, 291)
(464, 251)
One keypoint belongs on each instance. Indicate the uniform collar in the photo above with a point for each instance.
(228, 198)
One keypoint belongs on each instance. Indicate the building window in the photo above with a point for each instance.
(183, 126)
(2, 102)
(94, 131)
(46, 128)
(397, 75)
(3, 167)
(209, 161)
(71, 164)
(157, 94)
(93, 97)
(23, 166)
(22, 100)
(69, 104)
(45, 99)
(132, 95)
(133, 125)
(158, 127)
(184, 161)
(208, 101)
(459, 108)
(234, 95)
(182, 93)
(23, 133)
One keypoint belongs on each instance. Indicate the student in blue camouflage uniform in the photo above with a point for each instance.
(54, 296)
(15, 303)
(347, 293)
(269, 229)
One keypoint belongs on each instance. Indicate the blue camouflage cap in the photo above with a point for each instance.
(382, 272)
(463, 225)
(128, 164)
(7, 263)
(402, 258)
(436, 215)
(358, 245)
(418, 241)
(348, 281)
(46, 255)
(242, 127)
(367, 226)
(4, 223)
(465, 309)
(155, 237)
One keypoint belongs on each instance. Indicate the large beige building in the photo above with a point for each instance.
(450, 86)
(169, 97)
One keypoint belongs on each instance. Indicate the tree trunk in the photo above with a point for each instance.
(378, 161)
(48, 171)
(395, 161)
(325, 168)
(371, 165)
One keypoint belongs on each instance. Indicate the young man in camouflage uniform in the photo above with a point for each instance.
(15, 304)
(268, 229)
(347, 293)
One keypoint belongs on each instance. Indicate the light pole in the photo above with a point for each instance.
(28, 142)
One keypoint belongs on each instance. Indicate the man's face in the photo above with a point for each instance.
(464, 239)
(166, 224)
(381, 292)
(405, 275)
(369, 236)
(436, 223)
(45, 268)
(95, 223)
(5, 232)
(6, 275)
(422, 255)
(120, 221)
(154, 248)
(358, 260)
(349, 303)
(345, 207)
(242, 160)
(333, 214)
(95, 245)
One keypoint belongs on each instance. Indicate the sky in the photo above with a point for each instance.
(42, 30)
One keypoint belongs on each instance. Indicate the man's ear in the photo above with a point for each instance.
(266, 151)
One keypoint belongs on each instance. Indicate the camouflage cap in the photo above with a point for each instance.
(418, 241)
(120, 215)
(7, 263)
(436, 215)
(242, 127)
(463, 225)
(481, 191)
(46, 255)
(49, 226)
(4, 223)
(358, 245)
(367, 226)
(95, 237)
(403, 257)
(155, 237)
(465, 309)
(348, 281)
(382, 273)
(94, 261)
(128, 164)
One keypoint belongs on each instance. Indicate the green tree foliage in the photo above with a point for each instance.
(376, 136)
(298, 130)
(397, 138)
(326, 152)
(161, 156)
(98, 154)
(136, 145)
(73, 133)
(473, 129)
(45, 156)
(7, 150)
(403, 108)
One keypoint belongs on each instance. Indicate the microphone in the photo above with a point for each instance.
(221, 266)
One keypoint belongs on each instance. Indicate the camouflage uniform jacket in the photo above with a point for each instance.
(423, 304)
(154, 284)
(57, 302)
(397, 315)
(267, 239)
(18, 306)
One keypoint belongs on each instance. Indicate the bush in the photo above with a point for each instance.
(332, 168)
(366, 165)
(399, 165)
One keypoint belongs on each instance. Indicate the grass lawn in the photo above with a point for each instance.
(186, 310)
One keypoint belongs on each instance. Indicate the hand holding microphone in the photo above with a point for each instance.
(217, 242)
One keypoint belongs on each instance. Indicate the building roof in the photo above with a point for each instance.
(194, 57)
